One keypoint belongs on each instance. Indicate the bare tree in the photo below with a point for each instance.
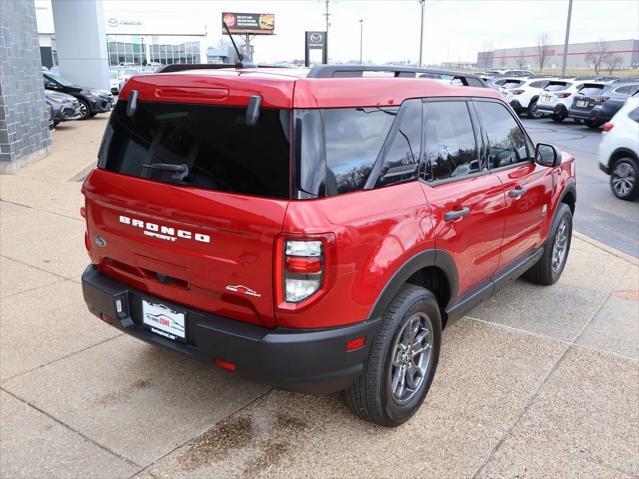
(543, 42)
(223, 43)
(598, 55)
(521, 61)
(613, 62)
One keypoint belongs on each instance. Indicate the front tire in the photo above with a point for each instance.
(593, 125)
(624, 178)
(402, 361)
(85, 109)
(553, 260)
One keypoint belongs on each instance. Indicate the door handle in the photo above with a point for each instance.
(456, 214)
(517, 192)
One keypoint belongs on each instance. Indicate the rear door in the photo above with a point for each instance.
(527, 186)
(187, 201)
(466, 201)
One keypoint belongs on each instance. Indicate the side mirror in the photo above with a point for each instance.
(547, 155)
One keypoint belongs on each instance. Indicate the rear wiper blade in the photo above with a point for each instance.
(179, 172)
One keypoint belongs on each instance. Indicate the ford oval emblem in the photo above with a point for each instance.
(99, 241)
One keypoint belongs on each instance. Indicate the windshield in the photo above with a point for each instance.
(60, 80)
(208, 147)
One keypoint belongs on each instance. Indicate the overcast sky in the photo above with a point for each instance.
(454, 29)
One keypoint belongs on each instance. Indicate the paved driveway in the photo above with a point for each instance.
(536, 382)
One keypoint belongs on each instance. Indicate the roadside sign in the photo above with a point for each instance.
(315, 41)
(253, 23)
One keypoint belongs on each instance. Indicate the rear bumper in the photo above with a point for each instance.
(314, 361)
(556, 109)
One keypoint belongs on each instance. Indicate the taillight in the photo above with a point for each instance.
(563, 94)
(516, 92)
(601, 99)
(607, 126)
(303, 269)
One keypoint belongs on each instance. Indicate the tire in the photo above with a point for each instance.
(624, 178)
(533, 112)
(578, 121)
(56, 123)
(592, 124)
(371, 397)
(549, 268)
(558, 118)
(93, 113)
(85, 109)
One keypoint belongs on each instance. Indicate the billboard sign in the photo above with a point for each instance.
(253, 23)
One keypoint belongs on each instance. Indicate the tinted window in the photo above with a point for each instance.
(558, 86)
(634, 114)
(591, 91)
(353, 139)
(402, 154)
(539, 84)
(219, 151)
(506, 139)
(627, 89)
(450, 150)
(512, 84)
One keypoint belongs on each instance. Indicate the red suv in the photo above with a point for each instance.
(316, 229)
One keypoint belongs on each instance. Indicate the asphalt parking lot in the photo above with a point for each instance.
(536, 382)
(599, 215)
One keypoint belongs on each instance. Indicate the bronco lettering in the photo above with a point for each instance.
(168, 233)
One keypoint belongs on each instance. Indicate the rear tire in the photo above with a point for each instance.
(624, 178)
(553, 260)
(402, 361)
(578, 121)
(592, 124)
(533, 112)
(557, 117)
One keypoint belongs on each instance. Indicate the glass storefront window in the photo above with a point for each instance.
(163, 49)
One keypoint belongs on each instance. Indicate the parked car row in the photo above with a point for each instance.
(118, 77)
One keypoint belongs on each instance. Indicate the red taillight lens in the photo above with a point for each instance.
(106, 319)
(607, 126)
(356, 343)
(303, 269)
(601, 99)
(563, 94)
(83, 212)
(229, 366)
(516, 92)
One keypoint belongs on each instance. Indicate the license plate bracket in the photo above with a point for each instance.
(164, 321)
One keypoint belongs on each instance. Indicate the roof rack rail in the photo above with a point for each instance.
(179, 67)
(349, 71)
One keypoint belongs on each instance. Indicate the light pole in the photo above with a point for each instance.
(565, 58)
(361, 41)
(421, 32)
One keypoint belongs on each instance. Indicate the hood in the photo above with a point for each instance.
(56, 95)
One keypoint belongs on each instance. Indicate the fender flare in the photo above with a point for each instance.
(569, 188)
(430, 257)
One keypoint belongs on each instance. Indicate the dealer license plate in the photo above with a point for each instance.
(547, 98)
(582, 103)
(163, 320)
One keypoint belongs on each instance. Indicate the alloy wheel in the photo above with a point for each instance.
(411, 357)
(560, 246)
(623, 179)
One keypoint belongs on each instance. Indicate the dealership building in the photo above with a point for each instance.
(134, 38)
(625, 52)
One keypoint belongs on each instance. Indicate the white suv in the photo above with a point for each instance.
(523, 94)
(619, 150)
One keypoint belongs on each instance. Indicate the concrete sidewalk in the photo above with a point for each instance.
(536, 382)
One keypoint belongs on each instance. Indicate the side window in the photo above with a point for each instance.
(506, 140)
(450, 150)
(353, 140)
(48, 83)
(402, 155)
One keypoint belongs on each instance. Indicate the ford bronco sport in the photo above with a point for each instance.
(316, 229)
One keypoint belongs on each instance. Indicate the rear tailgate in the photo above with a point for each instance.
(188, 200)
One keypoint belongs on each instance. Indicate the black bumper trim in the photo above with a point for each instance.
(313, 361)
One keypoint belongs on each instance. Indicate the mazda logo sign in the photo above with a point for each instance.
(112, 22)
(316, 38)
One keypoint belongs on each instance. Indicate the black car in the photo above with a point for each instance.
(63, 107)
(91, 101)
(596, 104)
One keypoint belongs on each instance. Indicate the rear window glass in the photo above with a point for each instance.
(591, 90)
(557, 86)
(512, 84)
(204, 146)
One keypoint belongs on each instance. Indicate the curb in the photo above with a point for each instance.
(615, 252)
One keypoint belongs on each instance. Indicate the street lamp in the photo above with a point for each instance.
(361, 41)
(421, 32)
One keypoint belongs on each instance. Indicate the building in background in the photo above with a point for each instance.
(135, 38)
(624, 54)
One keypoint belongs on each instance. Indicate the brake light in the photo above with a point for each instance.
(516, 92)
(356, 343)
(563, 94)
(229, 366)
(303, 270)
(601, 99)
(607, 126)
